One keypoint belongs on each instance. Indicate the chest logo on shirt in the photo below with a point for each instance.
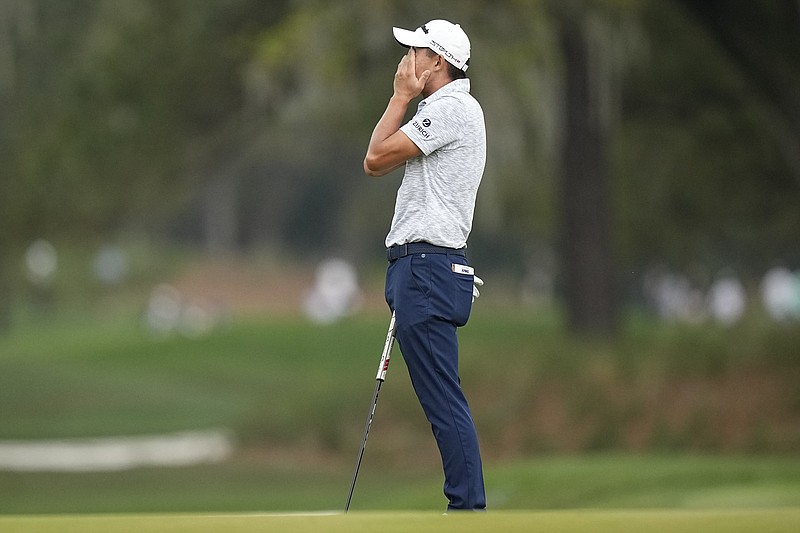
(421, 127)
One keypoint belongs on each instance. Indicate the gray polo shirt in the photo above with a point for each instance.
(436, 199)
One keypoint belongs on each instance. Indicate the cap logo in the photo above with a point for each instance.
(426, 122)
(424, 29)
(442, 50)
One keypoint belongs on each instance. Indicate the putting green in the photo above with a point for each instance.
(728, 521)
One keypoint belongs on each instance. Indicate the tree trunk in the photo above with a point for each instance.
(586, 254)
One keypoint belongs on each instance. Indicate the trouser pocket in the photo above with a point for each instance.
(462, 297)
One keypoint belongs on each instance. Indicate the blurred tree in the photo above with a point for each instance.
(103, 104)
(704, 177)
(591, 40)
(243, 122)
(752, 85)
(586, 261)
(762, 39)
(18, 32)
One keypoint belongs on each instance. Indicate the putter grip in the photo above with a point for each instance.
(387, 352)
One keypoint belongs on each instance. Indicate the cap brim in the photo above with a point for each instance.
(409, 38)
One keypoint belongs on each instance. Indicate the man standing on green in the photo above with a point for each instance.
(429, 283)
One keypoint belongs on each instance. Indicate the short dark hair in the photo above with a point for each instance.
(453, 71)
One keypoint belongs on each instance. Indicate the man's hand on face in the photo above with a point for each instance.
(406, 83)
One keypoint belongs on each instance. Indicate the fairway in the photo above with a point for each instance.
(294, 440)
(762, 521)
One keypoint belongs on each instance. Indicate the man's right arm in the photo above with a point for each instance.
(389, 148)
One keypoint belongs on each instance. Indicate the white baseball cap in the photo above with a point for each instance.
(443, 37)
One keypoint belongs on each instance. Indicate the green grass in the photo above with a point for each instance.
(249, 485)
(551, 521)
(557, 418)
(117, 380)
(283, 380)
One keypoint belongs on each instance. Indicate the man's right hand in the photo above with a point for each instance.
(389, 148)
(406, 83)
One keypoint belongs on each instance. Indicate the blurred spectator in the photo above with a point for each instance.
(335, 293)
(163, 313)
(727, 300)
(168, 311)
(41, 263)
(41, 267)
(673, 296)
(780, 293)
(110, 265)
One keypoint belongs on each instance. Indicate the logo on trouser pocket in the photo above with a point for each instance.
(462, 269)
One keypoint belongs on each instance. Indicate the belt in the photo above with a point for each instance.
(401, 250)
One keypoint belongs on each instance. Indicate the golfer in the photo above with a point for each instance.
(429, 283)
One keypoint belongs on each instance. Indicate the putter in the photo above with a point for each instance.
(379, 379)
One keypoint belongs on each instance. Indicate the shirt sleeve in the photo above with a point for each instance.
(436, 125)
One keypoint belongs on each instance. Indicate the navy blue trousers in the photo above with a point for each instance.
(430, 302)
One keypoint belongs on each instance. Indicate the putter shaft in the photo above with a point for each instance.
(379, 379)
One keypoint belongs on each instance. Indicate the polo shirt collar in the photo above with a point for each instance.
(454, 86)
